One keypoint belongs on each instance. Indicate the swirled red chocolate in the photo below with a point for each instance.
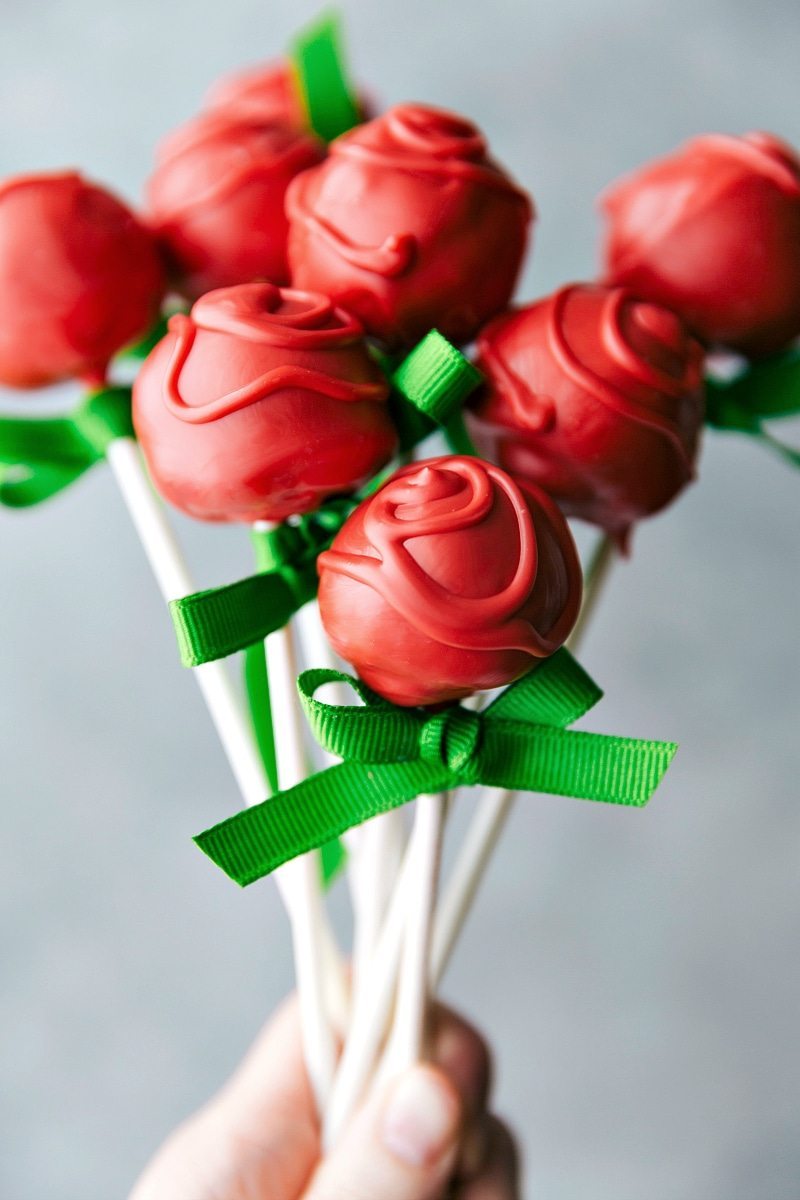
(410, 225)
(79, 278)
(259, 404)
(267, 92)
(713, 232)
(451, 579)
(596, 397)
(216, 199)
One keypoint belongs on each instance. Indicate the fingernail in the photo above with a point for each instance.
(421, 1118)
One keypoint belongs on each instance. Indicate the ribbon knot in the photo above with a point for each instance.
(452, 738)
(392, 754)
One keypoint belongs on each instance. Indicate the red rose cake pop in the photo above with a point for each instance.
(410, 225)
(259, 404)
(713, 232)
(596, 397)
(450, 579)
(80, 277)
(267, 92)
(216, 199)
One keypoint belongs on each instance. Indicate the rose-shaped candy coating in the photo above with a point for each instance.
(216, 199)
(79, 278)
(451, 579)
(410, 225)
(267, 92)
(259, 404)
(596, 397)
(713, 232)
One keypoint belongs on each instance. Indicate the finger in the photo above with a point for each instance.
(258, 1136)
(464, 1056)
(499, 1178)
(462, 1053)
(402, 1144)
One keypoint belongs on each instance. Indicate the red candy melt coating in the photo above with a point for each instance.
(452, 578)
(216, 199)
(713, 232)
(410, 225)
(267, 92)
(260, 404)
(80, 278)
(596, 397)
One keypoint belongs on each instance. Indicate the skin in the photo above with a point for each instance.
(258, 1138)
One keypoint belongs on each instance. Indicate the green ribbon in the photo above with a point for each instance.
(767, 390)
(40, 456)
(429, 387)
(333, 855)
(393, 754)
(431, 382)
(220, 621)
(318, 61)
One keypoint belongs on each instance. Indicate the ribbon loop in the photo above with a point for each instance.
(765, 391)
(453, 738)
(40, 456)
(429, 387)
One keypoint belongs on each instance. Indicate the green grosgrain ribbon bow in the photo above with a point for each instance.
(766, 391)
(429, 385)
(393, 754)
(40, 456)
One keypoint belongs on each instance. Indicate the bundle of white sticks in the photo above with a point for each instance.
(405, 926)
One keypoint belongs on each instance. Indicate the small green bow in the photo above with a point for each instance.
(40, 456)
(766, 391)
(393, 754)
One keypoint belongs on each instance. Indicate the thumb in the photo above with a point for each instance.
(402, 1145)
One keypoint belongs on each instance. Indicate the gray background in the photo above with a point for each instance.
(637, 971)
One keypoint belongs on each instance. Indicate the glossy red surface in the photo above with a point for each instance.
(216, 199)
(266, 92)
(79, 278)
(451, 579)
(260, 404)
(596, 397)
(713, 232)
(410, 225)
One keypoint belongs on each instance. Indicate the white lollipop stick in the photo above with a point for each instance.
(413, 992)
(493, 811)
(371, 1007)
(376, 847)
(294, 881)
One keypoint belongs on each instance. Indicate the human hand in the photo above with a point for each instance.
(426, 1136)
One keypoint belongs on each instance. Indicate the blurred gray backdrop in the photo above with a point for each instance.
(638, 972)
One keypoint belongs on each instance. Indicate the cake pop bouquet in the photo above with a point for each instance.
(324, 300)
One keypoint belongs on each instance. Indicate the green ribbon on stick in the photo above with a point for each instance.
(40, 456)
(318, 61)
(429, 386)
(217, 622)
(393, 754)
(766, 391)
